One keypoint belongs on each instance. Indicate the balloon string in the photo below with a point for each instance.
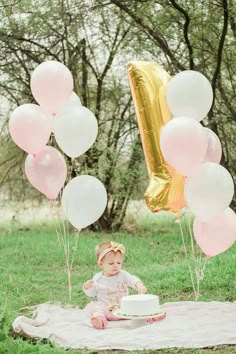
(57, 228)
(195, 252)
(191, 237)
(197, 258)
(64, 241)
(200, 274)
(66, 246)
(203, 268)
(185, 252)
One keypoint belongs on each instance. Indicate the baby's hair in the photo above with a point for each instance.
(100, 248)
(108, 246)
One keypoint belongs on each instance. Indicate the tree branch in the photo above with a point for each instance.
(153, 34)
(185, 31)
(220, 50)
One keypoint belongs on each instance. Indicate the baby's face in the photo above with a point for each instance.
(111, 263)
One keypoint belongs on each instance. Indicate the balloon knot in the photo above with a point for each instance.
(54, 114)
(34, 155)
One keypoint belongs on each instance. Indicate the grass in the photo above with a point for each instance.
(33, 271)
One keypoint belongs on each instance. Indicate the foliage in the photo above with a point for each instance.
(96, 40)
(189, 37)
(92, 45)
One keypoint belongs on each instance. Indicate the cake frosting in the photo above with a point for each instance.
(139, 305)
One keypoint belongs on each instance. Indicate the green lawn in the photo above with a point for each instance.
(33, 271)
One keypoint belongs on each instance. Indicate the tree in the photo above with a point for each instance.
(189, 37)
(96, 40)
(88, 41)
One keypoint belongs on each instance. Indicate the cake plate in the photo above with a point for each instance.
(137, 321)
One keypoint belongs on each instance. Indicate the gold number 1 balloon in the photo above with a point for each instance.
(148, 82)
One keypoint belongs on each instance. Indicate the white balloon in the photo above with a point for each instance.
(51, 85)
(74, 99)
(189, 94)
(84, 200)
(209, 191)
(75, 129)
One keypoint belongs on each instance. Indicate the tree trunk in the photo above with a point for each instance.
(115, 212)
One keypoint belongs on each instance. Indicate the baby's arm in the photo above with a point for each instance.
(89, 289)
(134, 282)
(141, 289)
(88, 284)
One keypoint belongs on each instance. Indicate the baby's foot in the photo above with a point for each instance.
(155, 319)
(99, 321)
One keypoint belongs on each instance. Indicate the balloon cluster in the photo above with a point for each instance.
(195, 152)
(75, 129)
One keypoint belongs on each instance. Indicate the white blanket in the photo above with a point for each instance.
(187, 325)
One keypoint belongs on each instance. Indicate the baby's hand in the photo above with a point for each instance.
(141, 288)
(88, 284)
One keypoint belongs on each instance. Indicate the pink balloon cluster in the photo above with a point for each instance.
(30, 127)
(195, 152)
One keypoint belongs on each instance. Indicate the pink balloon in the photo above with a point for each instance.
(46, 171)
(30, 128)
(183, 144)
(51, 85)
(217, 235)
(214, 149)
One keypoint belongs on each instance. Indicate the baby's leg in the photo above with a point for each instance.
(99, 320)
(97, 314)
(101, 316)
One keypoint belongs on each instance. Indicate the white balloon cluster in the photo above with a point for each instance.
(195, 152)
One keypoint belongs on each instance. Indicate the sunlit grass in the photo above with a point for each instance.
(33, 271)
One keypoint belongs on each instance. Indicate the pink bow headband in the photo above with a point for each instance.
(115, 247)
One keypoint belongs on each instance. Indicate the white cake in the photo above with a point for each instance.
(139, 305)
